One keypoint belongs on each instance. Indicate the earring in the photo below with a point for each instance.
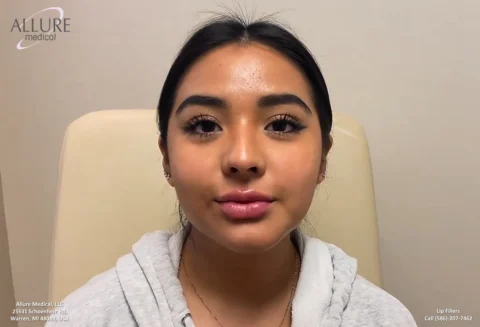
(167, 175)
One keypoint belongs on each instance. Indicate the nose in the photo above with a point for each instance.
(244, 155)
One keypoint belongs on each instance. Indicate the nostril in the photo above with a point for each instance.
(251, 169)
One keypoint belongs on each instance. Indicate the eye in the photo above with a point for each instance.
(202, 126)
(285, 124)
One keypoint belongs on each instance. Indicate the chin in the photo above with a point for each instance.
(251, 238)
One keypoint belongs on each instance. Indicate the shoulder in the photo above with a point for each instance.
(102, 301)
(369, 305)
(96, 303)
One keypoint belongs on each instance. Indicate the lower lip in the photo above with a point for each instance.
(241, 211)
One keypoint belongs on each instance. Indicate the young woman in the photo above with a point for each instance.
(245, 122)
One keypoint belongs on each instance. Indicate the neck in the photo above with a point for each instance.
(243, 279)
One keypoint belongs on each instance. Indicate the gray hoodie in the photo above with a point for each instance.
(143, 290)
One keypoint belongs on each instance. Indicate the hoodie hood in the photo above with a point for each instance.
(153, 292)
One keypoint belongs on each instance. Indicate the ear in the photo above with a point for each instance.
(323, 165)
(166, 160)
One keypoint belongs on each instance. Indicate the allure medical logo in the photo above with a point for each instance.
(43, 25)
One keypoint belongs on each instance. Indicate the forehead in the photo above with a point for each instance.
(242, 70)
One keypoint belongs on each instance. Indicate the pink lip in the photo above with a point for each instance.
(244, 196)
(250, 210)
(248, 204)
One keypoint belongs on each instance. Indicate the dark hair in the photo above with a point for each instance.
(229, 29)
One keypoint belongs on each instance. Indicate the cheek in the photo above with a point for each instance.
(295, 174)
(194, 174)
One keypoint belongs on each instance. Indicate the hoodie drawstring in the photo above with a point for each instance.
(187, 321)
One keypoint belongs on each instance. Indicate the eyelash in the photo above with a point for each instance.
(196, 121)
(295, 122)
(193, 123)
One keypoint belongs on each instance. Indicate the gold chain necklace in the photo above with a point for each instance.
(294, 284)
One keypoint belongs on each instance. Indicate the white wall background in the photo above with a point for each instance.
(408, 70)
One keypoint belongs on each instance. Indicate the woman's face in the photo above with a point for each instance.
(241, 134)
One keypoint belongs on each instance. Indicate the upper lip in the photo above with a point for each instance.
(244, 196)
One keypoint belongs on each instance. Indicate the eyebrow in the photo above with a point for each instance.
(267, 101)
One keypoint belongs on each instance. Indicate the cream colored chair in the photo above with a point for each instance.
(112, 191)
